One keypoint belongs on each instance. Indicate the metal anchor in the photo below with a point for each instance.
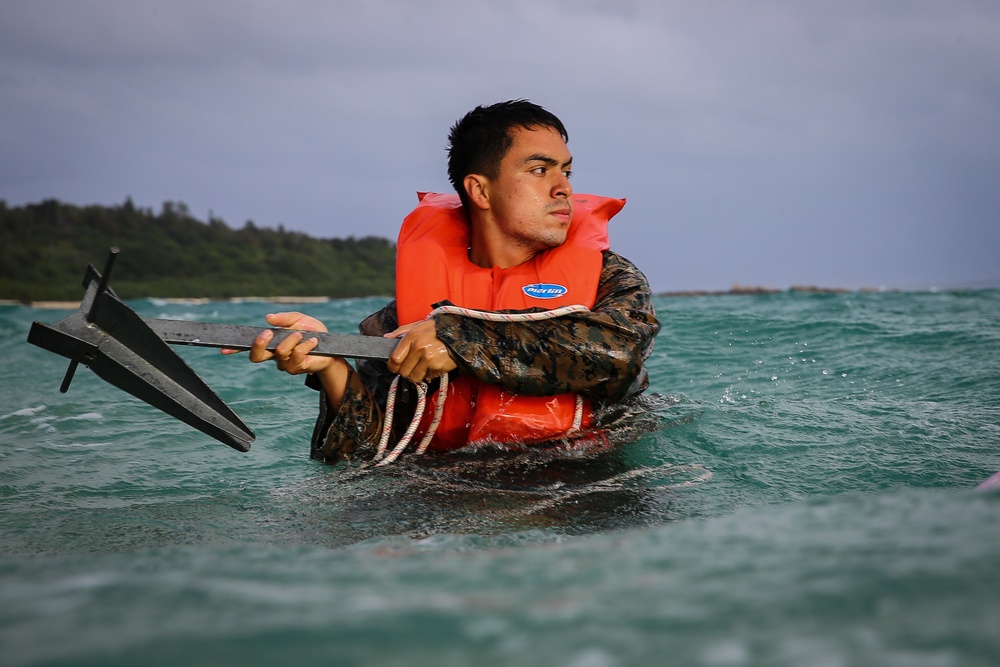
(133, 353)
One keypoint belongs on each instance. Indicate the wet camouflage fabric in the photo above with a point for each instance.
(598, 354)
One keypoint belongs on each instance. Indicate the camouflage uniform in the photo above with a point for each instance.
(598, 354)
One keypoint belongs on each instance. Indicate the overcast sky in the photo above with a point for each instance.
(775, 142)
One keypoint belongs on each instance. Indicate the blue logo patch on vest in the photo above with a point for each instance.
(544, 290)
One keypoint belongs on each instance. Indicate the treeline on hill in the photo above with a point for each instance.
(44, 249)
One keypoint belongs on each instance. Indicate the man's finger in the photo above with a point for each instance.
(399, 355)
(285, 347)
(258, 352)
(300, 352)
(285, 320)
(399, 332)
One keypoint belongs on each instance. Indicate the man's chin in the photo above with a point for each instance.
(554, 240)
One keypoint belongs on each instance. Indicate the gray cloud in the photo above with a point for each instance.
(839, 143)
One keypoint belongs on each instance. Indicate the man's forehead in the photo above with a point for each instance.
(539, 143)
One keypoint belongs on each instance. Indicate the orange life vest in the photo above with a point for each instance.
(432, 265)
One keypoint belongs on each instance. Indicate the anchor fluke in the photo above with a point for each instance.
(115, 343)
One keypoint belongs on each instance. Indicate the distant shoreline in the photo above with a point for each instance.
(753, 290)
(735, 290)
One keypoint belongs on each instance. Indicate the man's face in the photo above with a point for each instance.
(530, 197)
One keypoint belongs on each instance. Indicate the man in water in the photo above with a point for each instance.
(510, 166)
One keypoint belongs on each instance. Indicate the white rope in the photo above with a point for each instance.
(390, 408)
(414, 423)
(386, 459)
(577, 415)
(508, 317)
(438, 411)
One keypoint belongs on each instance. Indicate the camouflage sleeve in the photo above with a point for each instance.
(352, 429)
(598, 354)
(356, 426)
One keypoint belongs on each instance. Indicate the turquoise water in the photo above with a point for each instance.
(808, 499)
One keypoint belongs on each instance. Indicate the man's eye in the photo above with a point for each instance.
(568, 173)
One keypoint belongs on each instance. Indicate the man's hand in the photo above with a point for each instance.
(292, 354)
(420, 355)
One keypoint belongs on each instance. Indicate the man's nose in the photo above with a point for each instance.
(562, 188)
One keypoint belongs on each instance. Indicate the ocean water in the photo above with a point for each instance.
(807, 496)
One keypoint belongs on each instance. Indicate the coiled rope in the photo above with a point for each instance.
(385, 459)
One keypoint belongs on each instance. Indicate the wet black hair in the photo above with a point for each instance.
(479, 141)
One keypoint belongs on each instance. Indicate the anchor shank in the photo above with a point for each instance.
(239, 337)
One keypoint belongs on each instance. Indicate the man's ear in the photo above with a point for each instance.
(477, 190)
